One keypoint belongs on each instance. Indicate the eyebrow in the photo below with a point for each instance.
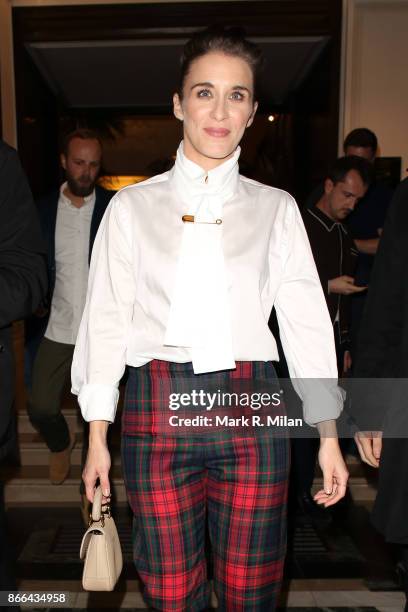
(208, 84)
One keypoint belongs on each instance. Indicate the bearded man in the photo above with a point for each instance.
(70, 219)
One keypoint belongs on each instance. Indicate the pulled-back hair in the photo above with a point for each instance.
(344, 165)
(83, 134)
(361, 137)
(230, 41)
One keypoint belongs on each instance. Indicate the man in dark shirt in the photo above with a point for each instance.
(335, 257)
(333, 248)
(366, 221)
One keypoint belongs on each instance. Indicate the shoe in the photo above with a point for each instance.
(85, 509)
(60, 462)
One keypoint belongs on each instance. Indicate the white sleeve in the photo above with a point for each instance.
(100, 352)
(305, 328)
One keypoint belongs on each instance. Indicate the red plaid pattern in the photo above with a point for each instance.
(238, 480)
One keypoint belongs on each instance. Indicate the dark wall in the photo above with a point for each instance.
(291, 152)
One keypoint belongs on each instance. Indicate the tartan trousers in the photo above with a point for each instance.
(238, 481)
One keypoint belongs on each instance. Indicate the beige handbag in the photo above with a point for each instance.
(101, 549)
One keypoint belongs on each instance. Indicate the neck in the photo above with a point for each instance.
(323, 205)
(77, 201)
(206, 163)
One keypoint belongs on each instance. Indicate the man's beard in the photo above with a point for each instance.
(79, 188)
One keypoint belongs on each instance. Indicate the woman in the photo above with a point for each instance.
(185, 271)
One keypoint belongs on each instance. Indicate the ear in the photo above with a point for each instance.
(177, 107)
(252, 115)
(328, 186)
(63, 161)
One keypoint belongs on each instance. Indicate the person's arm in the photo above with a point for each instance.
(305, 327)
(100, 352)
(308, 342)
(368, 246)
(23, 276)
(344, 285)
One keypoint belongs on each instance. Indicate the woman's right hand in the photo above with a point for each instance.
(98, 462)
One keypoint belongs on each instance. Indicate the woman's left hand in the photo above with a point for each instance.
(335, 474)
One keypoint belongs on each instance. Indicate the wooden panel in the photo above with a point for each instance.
(274, 18)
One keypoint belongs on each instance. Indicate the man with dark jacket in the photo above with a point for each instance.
(23, 284)
(382, 358)
(70, 219)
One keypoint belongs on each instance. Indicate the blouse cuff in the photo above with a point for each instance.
(324, 402)
(98, 402)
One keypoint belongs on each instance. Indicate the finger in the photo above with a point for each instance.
(328, 481)
(105, 486)
(368, 452)
(355, 289)
(377, 447)
(89, 482)
(320, 495)
(340, 493)
(361, 449)
(89, 491)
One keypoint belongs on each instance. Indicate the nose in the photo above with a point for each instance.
(352, 203)
(87, 171)
(219, 109)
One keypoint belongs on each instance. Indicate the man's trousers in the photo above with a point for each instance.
(51, 374)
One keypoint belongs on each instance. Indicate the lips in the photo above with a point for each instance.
(217, 132)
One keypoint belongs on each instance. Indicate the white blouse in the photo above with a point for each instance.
(134, 282)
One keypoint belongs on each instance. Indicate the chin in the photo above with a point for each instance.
(219, 151)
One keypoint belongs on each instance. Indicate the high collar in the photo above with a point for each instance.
(328, 223)
(190, 180)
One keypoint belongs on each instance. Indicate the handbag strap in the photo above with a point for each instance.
(97, 504)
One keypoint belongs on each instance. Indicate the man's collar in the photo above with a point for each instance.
(328, 223)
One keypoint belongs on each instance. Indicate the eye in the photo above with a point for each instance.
(204, 93)
(237, 95)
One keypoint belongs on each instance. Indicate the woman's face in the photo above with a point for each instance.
(217, 105)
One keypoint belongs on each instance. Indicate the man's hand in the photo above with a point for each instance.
(369, 444)
(344, 285)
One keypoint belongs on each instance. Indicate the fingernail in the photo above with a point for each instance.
(106, 493)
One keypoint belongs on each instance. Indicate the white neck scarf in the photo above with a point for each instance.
(200, 316)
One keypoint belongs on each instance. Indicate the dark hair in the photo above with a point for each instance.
(230, 41)
(83, 134)
(344, 165)
(361, 137)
